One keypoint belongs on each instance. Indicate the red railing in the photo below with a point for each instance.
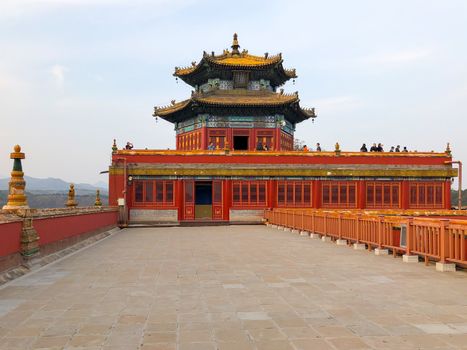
(433, 239)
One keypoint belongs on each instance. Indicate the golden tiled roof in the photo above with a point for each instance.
(238, 97)
(246, 97)
(243, 60)
(166, 110)
(235, 59)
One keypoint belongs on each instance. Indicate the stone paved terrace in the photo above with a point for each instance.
(233, 287)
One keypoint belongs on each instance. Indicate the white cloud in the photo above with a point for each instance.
(58, 74)
(398, 58)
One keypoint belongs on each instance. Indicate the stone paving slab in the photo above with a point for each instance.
(231, 287)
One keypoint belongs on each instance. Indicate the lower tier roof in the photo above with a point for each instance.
(239, 101)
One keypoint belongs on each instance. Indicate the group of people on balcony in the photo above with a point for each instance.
(306, 149)
(379, 148)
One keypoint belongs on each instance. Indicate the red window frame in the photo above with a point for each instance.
(426, 194)
(383, 195)
(339, 194)
(159, 193)
(249, 194)
(296, 194)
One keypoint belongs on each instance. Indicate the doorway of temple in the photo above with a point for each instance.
(203, 200)
(240, 143)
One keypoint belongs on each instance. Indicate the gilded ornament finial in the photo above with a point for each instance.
(337, 149)
(16, 195)
(114, 146)
(71, 202)
(98, 202)
(448, 149)
(235, 46)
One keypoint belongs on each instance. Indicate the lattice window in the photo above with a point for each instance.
(294, 193)
(339, 194)
(240, 79)
(426, 195)
(154, 192)
(383, 194)
(249, 193)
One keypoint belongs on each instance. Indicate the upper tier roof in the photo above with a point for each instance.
(256, 102)
(221, 66)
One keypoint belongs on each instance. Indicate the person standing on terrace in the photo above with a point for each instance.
(259, 146)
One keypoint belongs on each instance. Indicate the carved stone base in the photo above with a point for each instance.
(410, 258)
(359, 246)
(379, 251)
(29, 239)
(444, 267)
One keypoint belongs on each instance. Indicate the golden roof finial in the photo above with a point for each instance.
(235, 46)
(448, 149)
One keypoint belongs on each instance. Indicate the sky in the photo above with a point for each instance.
(75, 74)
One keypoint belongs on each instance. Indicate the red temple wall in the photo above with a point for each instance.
(200, 139)
(58, 228)
(116, 188)
(192, 140)
(299, 158)
(10, 234)
(330, 194)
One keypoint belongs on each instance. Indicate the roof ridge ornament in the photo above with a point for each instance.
(235, 46)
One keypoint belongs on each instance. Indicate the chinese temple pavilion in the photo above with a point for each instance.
(234, 155)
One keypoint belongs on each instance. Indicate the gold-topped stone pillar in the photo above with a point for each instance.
(98, 202)
(71, 202)
(16, 196)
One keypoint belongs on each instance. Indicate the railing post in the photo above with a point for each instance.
(359, 226)
(313, 229)
(380, 230)
(409, 242)
(443, 240)
(303, 222)
(339, 226)
(325, 226)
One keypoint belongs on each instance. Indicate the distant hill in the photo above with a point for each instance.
(55, 200)
(454, 198)
(52, 185)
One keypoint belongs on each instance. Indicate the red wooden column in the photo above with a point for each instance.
(277, 139)
(226, 198)
(272, 194)
(179, 201)
(361, 194)
(204, 138)
(447, 194)
(251, 140)
(316, 194)
(405, 194)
